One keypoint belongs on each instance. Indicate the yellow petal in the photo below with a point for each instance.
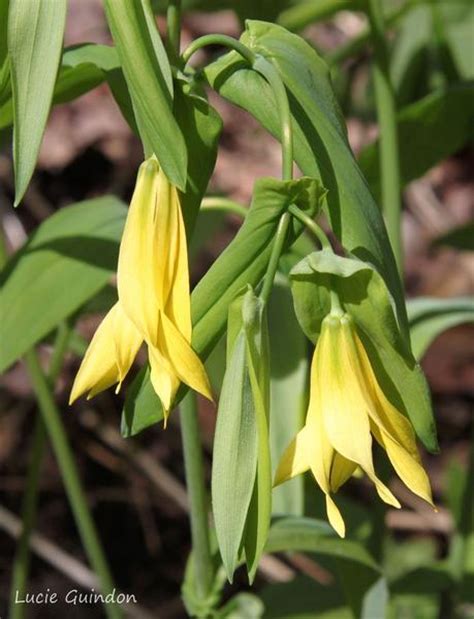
(172, 248)
(127, 340)
(294, 460)
(163, 378)
(410, 471)
(341, 470)
(394, 432)
(334, 517)
(110, 355)
(182, 358)
(344, 403)
(138, 276)
(98, 369)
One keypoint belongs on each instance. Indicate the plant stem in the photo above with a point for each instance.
(218, 39)
(311, 225)
(275, 256)
(173, 20)
(21, 562)
(269, 72)
(216, 203)
(386, 112)
(194, 467)
(77, 499)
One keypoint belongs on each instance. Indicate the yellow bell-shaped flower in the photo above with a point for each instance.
(347, 408)
(154, 299)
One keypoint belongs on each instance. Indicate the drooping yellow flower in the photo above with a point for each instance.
(154, 299)
(347, 408)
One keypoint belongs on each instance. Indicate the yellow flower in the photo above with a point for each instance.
(347, 407)
(154, 299)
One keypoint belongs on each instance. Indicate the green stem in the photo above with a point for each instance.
(216, 203)
(311, 225)
(275, 256)
(21, 562)
(269, 72)
(77, 499)
(386, 112)
(173, 20)
(198, 506)
(218, 39)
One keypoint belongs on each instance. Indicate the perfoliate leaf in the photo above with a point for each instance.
(258, 363)
(365, 297)
(241, 495)
(148, 75)
(234, 457)
(35, 38)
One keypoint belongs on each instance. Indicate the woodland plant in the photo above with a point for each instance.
(283, 278)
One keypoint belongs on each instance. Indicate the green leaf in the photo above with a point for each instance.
(365, 297)
(289, 368)
(461, 238)
(414, 606)
(148, 75)
(241, 495)
(245, 259)
(4, 60)
(258, 363)
(316, 536)
(35, 37)
(66, 261)
(234, 457)
(429, 130)
(83, 67)
(303, 598)
(320, 138)
(429, 317)
(457, 22)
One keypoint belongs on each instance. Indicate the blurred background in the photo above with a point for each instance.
(136, 487)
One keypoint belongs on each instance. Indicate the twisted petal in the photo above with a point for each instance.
(393, 432)
(173, 264)
(344, 403)
(109, 356)
(138, 273)
(182, 358)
